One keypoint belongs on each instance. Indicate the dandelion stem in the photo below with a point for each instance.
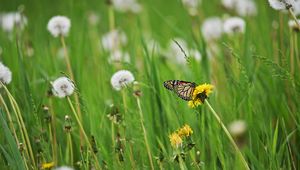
(83, 132)
(228, 135)
(68, 63)
(145, 133)
(111, 18)
(53, 123)
(51, 139)
(70, 147)
(181, 163)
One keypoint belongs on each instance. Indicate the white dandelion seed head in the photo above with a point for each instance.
(229, 4)
(191, 6)
(174, 52)
(195, 54)
(5, 74)
(59, 26)
(296, 8)
(212, 28)
(118, 56)
(234, 25)
(281, 4)
(292, 24)
(11, 20)
(64, 168)
(113, 40)
(246, 8)
(62, 87)
(127, 6)
(237, 128)
(121, 79)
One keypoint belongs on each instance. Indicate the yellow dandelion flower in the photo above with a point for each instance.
(48, 165)
(175, 140)
(185, 131)
(200, 93)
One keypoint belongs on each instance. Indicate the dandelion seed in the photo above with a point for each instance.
(237, 128)
(293, 25)
(191, 6)
(5, 74)
(281, 4)
(121, 79)
(200, 93)
(185, 131)
(246, 8)
(127, 6)
(11, 20)
(64, 168)
(113, 40)
(62, 87)
(59, 26)
(296, 8)
(175, 140)
(47, 165)
(119, 56)
(234, 25)
(212, 28)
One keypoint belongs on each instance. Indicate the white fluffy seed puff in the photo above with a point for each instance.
(59, 26)
(281, 4)
(237, 128)
(5, 74)
(234, 25)
(121, 79)
(64, 168)
(9, 21)
(293, 25)
(62, 87)
(212, 28)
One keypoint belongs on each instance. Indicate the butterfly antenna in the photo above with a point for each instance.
(182, 50)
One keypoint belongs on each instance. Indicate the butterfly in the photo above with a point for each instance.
(183, 89)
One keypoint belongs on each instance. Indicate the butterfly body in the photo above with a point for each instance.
(183, 89)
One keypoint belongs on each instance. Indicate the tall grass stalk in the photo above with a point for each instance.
(144, 132)
(53, 124)
(70, 72)
(83, 132)
(21, 123)
(70, 148)
(228, 135)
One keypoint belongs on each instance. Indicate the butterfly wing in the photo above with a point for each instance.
(183, 89)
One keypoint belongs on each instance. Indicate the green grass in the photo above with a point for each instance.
(257, 88)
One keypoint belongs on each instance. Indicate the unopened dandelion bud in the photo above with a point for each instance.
(67, 124)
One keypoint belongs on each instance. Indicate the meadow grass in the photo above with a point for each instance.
(254, 76)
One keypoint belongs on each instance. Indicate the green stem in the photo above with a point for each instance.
(83, 132)
(111, 18)
(228, 135)
(69, 137)
(145, 133)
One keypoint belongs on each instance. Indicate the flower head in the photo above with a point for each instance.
(64, 168)
(113, 40)
(281, 4)
(121, 79)
(229, 4)
(237, 128)
(47, 165)
(212, 28)
(127, 6)
(175, 140)
(200, 93)
(62, 87)
(185, 131)
(10, 20)
(234, 25)
(5, 74)
(59, 26)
